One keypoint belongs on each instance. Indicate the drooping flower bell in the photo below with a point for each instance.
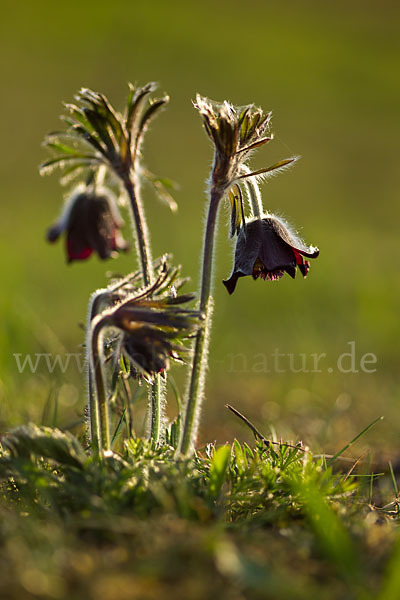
(154, 331)
(267, 248)
(92, 224)
(152, 323)
(150, 350)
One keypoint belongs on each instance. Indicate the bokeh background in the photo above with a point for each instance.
(330, 73)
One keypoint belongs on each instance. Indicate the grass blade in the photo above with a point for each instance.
(335, 456)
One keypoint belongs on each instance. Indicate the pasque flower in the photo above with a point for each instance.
(152, 323)
(235, 132)
(150, 350)
(92, 223)
(149, 327)
(101, 145)
(153, 332)
(267, 248)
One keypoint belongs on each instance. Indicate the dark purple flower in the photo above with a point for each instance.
(267, 248)
(151, 320)
(92, 224)
(149, 349)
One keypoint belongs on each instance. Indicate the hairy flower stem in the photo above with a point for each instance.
(257, 208)
(97, 366)
(142, 236)
(94, 416)
(93, 411)
(157, 389)
(156, 401)
(199, 366)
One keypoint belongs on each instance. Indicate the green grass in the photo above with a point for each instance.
(264, 522)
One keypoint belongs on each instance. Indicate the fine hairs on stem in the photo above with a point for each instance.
(199, 365)
(235, 133)
(222, 124)
(197, 379)
(139, 226)
(97, 368)
(92, 406)
(98, 300)
(157, 402)
(157, 389)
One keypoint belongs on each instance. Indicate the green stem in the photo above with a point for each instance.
(196, 385)
(142, 235)
(257, 208)
(94, 418)
(143, 249)
(97, 366)
(156, 401)
(93, 413)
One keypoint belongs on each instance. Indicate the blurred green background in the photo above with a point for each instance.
(330, 73)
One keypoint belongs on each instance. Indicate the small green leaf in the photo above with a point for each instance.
(132, 90)
(243, 122)
(256, 144)
(72, 172)
(89, 138)
(241, 460)
(83, 160)
(59, 147)
(149, 113)
(100, 126)
(136, 102)
(113, 118)
(124, 365)
(160, 185)
(101, 105)
(168, 183)
(181, 299)
(218, 469)
(248, 450)
(164, 196)
(79, 116)
(282, 164)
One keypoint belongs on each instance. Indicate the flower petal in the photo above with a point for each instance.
(54, 232)
(304, 265)
(291, 270)
(248, 247)
(283, 231)
(75, 251)
(275, 253)
(246, 253)
(230, 283)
